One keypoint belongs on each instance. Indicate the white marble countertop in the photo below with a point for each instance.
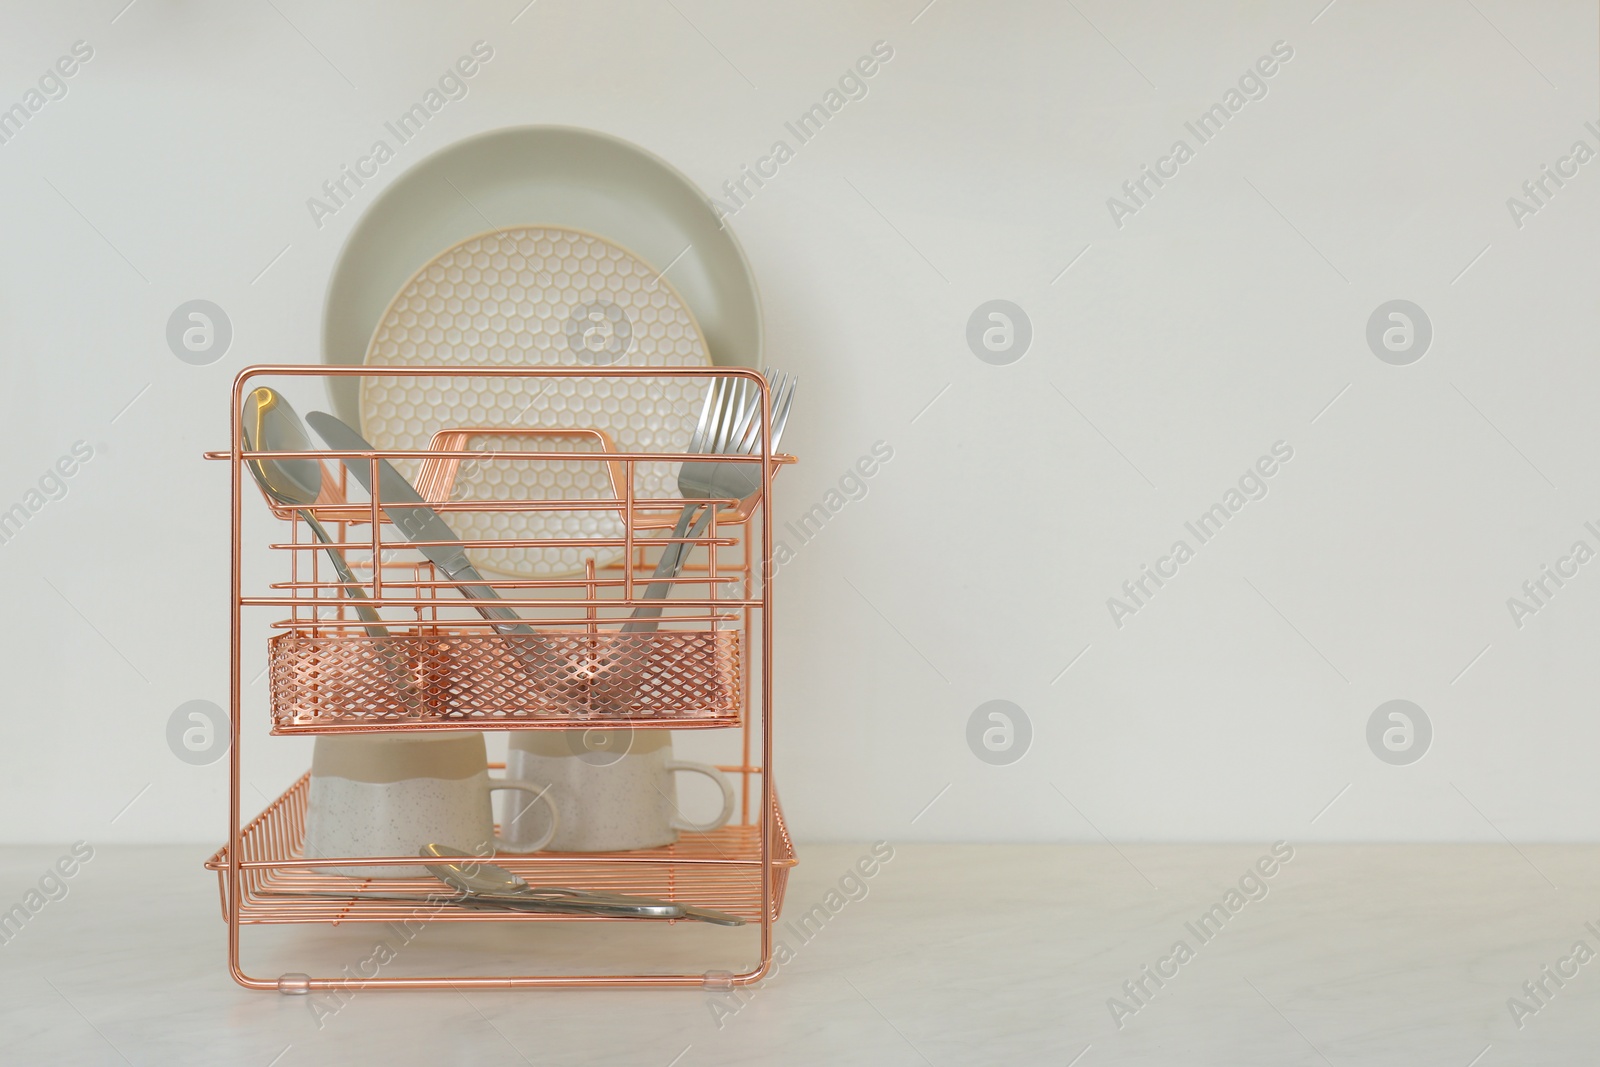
(954, 955)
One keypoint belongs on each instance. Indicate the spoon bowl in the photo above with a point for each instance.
(473, 876)
(269, 424)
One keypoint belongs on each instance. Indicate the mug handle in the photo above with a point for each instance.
(679, 822)
(540, 792)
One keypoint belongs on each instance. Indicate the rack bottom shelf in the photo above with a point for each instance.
(720, 869)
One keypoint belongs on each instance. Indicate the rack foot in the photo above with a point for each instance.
(294, 984)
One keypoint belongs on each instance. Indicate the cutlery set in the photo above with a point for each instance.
(728, 426)
(484, 886)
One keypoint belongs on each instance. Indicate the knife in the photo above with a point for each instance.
(409, 512)
(580, 898)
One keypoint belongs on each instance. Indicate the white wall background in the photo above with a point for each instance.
(1224, 316)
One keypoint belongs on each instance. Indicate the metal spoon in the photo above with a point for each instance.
(479, 877)
(478, 880)
(269, 424)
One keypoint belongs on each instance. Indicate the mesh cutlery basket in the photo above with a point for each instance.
(345, 681)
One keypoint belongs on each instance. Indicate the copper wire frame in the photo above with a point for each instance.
(741, 868)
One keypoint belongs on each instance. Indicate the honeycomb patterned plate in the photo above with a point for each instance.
(537, 296)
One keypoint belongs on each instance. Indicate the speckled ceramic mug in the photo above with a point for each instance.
(615, 790)
(390, 794)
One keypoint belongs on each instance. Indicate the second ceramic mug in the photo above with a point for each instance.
(390, 794)
(614, 789)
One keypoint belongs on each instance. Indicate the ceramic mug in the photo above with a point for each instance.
(614, 788)
(390, 794)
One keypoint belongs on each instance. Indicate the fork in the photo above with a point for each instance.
(729, 425)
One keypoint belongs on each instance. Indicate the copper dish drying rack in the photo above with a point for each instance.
(327, 674)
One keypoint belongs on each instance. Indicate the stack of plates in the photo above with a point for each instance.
(541, 288)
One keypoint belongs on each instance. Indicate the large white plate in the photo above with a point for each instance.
(540, 175)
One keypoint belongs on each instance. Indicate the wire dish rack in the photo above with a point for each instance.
(571, 661)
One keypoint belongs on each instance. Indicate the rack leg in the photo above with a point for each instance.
(294, 984)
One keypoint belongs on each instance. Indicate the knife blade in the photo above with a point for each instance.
(406, 508)
(596, 898)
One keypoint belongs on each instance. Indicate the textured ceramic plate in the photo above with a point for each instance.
(545, 175)
(537, 296)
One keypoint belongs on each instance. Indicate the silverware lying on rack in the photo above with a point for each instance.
(550, 905)
(480, 880)
(269, 424)
(729, 425)
(407, 509)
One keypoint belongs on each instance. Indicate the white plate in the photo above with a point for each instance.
(540, 175)
(537, 296)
